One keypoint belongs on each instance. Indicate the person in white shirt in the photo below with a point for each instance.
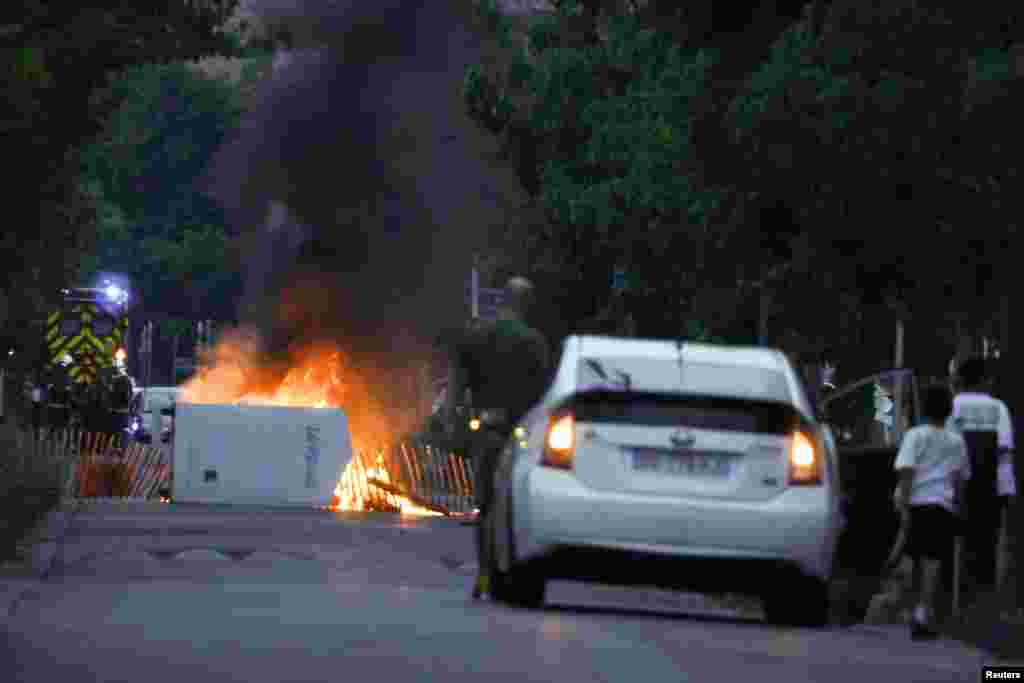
(984, 421)
(932, 465)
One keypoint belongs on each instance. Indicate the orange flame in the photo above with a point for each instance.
(317, 377)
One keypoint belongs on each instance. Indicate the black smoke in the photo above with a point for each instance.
(389, 187)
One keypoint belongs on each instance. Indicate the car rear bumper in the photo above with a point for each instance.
(564, 519)
(674, 571)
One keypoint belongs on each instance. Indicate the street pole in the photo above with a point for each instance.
(200, 344)
(475, 288)
(148, 358)
(899, 415)
(762, 315)
(1004, 319)
(175, 344)
(899, 344)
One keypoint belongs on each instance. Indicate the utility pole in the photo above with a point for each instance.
(899, 344)
(474, 280)
(1004, 320)
(762, 314)
(147, 352)
(200, 345)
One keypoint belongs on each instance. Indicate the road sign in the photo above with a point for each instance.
(489, 301)
(623, 280)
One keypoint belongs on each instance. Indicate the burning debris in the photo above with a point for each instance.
(239, 371)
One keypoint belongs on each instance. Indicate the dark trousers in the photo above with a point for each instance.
(981, 542)
(37, 418)
(984, 513)
(981, 531)
(486, 448)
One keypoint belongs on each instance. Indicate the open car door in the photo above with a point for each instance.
(868, 419)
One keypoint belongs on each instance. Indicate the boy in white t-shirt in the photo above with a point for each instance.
(933, 466)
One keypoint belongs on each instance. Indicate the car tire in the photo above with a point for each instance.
(802, 601)
(523, 585)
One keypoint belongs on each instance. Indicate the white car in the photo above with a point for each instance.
(677, 465)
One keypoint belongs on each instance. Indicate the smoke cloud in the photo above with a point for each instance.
(362, 182)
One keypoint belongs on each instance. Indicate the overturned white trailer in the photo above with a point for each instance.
(263, 455)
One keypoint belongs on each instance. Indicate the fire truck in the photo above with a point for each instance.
(88, 332)
(85, 341)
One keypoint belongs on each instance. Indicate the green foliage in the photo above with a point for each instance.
(29, 66)
(489, 12)
(255, 67)
(614, 118)
(162, 136)
(697, 332)
(848, 139)
(543, 33)
(163, 233)
(57, 60)
(174, 327)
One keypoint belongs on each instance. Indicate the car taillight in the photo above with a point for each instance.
(559, 443)
(804, 461)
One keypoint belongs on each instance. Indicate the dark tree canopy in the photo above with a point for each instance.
(57, 59)
(853, 160)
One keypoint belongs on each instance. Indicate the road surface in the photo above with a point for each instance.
(144, 593)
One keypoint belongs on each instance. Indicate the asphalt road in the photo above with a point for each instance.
(275, 596)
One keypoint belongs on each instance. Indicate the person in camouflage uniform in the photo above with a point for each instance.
(505, 363)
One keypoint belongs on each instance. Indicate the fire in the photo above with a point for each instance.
(354, 491)
(317, 377)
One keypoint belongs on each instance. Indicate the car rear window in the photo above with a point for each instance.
(659, 375)
(698, 412)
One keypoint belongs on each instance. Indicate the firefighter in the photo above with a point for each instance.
(505, 364)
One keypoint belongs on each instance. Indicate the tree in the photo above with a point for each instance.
(857, 121)
(841, 149)
(56, 58)
(169, 237)
(600, 115)
(177, 330)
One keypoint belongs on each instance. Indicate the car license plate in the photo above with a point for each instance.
(681, 463)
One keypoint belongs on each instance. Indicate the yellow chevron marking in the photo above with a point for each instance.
(71, 342)
(94, 341)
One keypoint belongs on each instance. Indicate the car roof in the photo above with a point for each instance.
(694, 352)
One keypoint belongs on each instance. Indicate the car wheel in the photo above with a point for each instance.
(802, 601)
(523, 585)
